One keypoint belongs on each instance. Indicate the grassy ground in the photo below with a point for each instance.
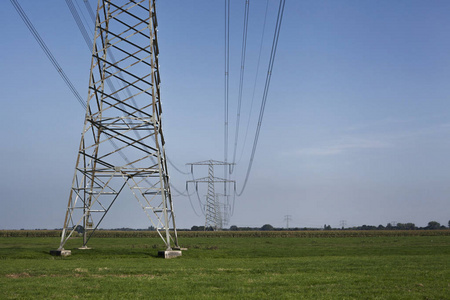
(404, 267)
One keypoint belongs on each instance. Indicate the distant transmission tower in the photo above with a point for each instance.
(214, 215)
(122, 142)
(343, 223)
(287, 218)
(224, 208)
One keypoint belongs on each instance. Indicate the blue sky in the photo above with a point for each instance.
(356, 125)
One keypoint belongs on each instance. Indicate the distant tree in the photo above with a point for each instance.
(433, 225)
(389, 226)
(380, 227)
(449, 224)
(410, 226)
(267, 227)
(367, 227)
(233, 228)
(406, 226)
(79, 229)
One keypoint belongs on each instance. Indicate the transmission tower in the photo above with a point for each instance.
(287, 218)
(214, 215)
(224, 208)
(122, 142)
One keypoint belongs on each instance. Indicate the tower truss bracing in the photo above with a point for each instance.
(216, 213)
(122, 143)
(212, 214)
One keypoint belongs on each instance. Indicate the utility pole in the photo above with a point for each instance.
(122, 143)
(214, 215)
(287, 218)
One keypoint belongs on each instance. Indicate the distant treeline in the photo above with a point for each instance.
(433, 225)
(233, 234)
(151, 231)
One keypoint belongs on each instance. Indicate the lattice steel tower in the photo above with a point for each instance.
(215, 216)
(122, 143)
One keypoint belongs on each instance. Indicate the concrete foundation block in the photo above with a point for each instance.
(84, 248)
(61, 252)
(179, 248)
(169, 253)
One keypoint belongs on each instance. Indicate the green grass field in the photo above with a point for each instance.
(375, 267)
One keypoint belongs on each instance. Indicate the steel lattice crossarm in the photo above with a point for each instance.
(122, 142)
(211, 162)
(207, 179)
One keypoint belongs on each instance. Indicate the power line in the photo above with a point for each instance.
(56, 64)
(80, 24)
(90, 46)
(227, 84)
(266, 90)
(196, 191)
(82, 14)
(256, 79)
(176, 168)
(47, 52)
(241, 78)
(186, 194)
(89, 9)
(192, 205)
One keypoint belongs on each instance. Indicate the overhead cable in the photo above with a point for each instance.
(241, 80)
(89, 9)
(90, 46)
(186, 193)
(80, 24)
(175, 167)
(256, 79)
(266, 90)
(81, 11)
(202, 207)
(55, 63)
(226, 90)
(47, 52)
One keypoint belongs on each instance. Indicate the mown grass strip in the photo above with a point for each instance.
(389, 267)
